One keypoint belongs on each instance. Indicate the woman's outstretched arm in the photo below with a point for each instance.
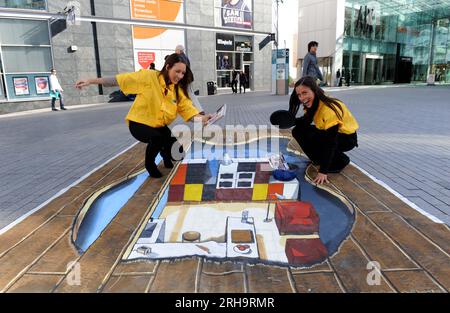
(105, 81)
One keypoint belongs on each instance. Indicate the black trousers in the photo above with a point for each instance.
(61, 101)
(242, 85)
(234, 86)
(158, 140)
(319, 148)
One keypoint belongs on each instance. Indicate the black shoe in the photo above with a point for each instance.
(55, 109)
(344, 164)
(63, 108)
(153, 171)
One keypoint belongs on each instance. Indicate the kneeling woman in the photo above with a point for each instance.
(325, 131)
(160, 96)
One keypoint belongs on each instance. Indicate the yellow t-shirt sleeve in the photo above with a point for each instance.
(185, 107)
(132, 83)
(329, 119)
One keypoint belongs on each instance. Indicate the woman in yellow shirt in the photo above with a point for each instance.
(325, 131)
(159, 97)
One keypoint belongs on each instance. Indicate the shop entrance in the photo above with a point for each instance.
(373, 70)
(248, 72)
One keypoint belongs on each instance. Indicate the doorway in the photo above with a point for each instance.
(248, 70)
(373, 70)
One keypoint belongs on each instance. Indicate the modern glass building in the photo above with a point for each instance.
(396, 41)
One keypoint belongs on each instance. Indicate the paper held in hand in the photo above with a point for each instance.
(217, 115)
(278, 162)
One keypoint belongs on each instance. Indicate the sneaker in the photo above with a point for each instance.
(55, 109)
(63, 108)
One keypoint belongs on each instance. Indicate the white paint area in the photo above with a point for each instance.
(211, 222)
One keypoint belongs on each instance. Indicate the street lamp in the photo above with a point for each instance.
(276, 39)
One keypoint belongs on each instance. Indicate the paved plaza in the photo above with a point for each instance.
(403, 142)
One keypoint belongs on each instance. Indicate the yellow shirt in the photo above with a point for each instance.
(326, 118)
(155, 104)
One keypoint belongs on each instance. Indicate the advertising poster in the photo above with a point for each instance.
(152, 44)
(234, 13)
(42, 86)
(21, 86)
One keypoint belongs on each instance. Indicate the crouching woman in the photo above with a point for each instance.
(325, 131)
(160, 97)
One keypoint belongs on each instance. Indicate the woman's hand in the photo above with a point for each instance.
(205, 118)
(82, 83)
(320, 179)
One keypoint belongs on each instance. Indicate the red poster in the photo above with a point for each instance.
(145, 59)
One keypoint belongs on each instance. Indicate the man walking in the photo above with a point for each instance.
(310, 67)
(242, 81)
(56, 91)
(234, 80)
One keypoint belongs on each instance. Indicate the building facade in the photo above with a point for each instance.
(30, 46)
(378, 42)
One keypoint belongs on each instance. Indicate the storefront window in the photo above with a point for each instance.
(225, 60)
(24, 4)
(232, 52)
(26, 57)
(223, 79)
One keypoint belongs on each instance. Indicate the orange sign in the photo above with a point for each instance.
(145, 59)
(160, 10)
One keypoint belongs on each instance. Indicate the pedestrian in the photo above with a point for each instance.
(325, 131)
(56, 91)
(160, 96)
(234, 80)
(348, 77)
(152, 66)
(243, 80)
(338, 77)
(310, 67)
(179, 49)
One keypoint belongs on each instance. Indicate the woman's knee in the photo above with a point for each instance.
(300, 134)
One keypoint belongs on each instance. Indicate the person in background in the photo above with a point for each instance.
(325, 131)
(242, 81)
(234, 80)
(56, 91)
(348, 77)
(160, 96)
(338, 77)
(310, 67)
(179, 49)
(152, 66)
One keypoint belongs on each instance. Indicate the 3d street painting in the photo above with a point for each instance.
(228, 208)
(223, 221)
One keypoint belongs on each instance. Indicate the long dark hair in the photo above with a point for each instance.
(319, 94)
(171, 60)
